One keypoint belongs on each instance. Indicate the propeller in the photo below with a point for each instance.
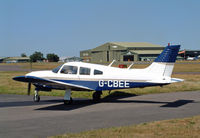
(29, 88)
(29, 84)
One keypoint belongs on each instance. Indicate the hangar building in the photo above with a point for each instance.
(122, 51)
(16, 59)
(189, 53)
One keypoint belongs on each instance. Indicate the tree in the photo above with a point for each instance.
(51, 57)
(37, 56)
(23, 55)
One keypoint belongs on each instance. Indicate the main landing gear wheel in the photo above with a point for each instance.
(97, 96)
(68, 102)
(36, 98)
(67, 98)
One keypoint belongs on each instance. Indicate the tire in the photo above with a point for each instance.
(36, 98)
(97, 96)
(68, 102)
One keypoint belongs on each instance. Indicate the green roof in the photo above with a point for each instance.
(135, 44)
(86, 50)
(124, 46)
(18, 58)
(146, 51)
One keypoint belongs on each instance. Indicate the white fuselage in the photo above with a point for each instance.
(111, 77)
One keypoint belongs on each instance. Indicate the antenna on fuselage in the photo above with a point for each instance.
(111, 63)
(130, 65)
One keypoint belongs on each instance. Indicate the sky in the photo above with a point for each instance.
(65, 27)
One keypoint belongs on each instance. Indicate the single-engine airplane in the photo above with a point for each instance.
(93, 77)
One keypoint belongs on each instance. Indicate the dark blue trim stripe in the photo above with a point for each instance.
(94, 85)
(169, 54)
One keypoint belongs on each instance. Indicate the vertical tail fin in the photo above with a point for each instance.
(169, 54)
(164, 63)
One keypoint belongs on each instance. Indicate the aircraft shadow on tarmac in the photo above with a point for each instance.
(27, 103)
(115, 97)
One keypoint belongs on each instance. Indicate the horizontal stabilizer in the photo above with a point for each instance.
(166, 80)
(173, 80)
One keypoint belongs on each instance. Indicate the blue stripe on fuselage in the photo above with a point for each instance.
(108, 84)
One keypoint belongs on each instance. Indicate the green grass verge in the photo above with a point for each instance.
(191, 83)
(175, 128)
(181, 66)
(9, 86)
(189, 127)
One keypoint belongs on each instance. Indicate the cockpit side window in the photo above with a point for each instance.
(98, 72)
(69, 69)
(84, 71)
(55, 70)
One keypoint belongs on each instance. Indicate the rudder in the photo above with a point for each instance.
(169, 54)
(163, 65)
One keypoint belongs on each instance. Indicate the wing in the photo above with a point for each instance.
(50, 83)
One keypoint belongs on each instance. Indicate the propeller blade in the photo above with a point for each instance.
(29, 88)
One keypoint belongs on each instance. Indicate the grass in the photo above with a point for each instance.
(175, 128)
(191, 83)
(9, 86)
(35, 66)
(188, 127)
(181, 66)
(187, 67)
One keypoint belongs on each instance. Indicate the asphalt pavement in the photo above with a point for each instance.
(21, 117)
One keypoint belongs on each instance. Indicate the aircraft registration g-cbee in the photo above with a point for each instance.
(93, 77)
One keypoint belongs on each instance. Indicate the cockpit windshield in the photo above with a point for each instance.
(55, 70)
(67, 69)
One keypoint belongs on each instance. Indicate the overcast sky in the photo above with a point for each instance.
(65, 27)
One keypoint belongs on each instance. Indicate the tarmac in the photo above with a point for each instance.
(21, 117)
(13, 68)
